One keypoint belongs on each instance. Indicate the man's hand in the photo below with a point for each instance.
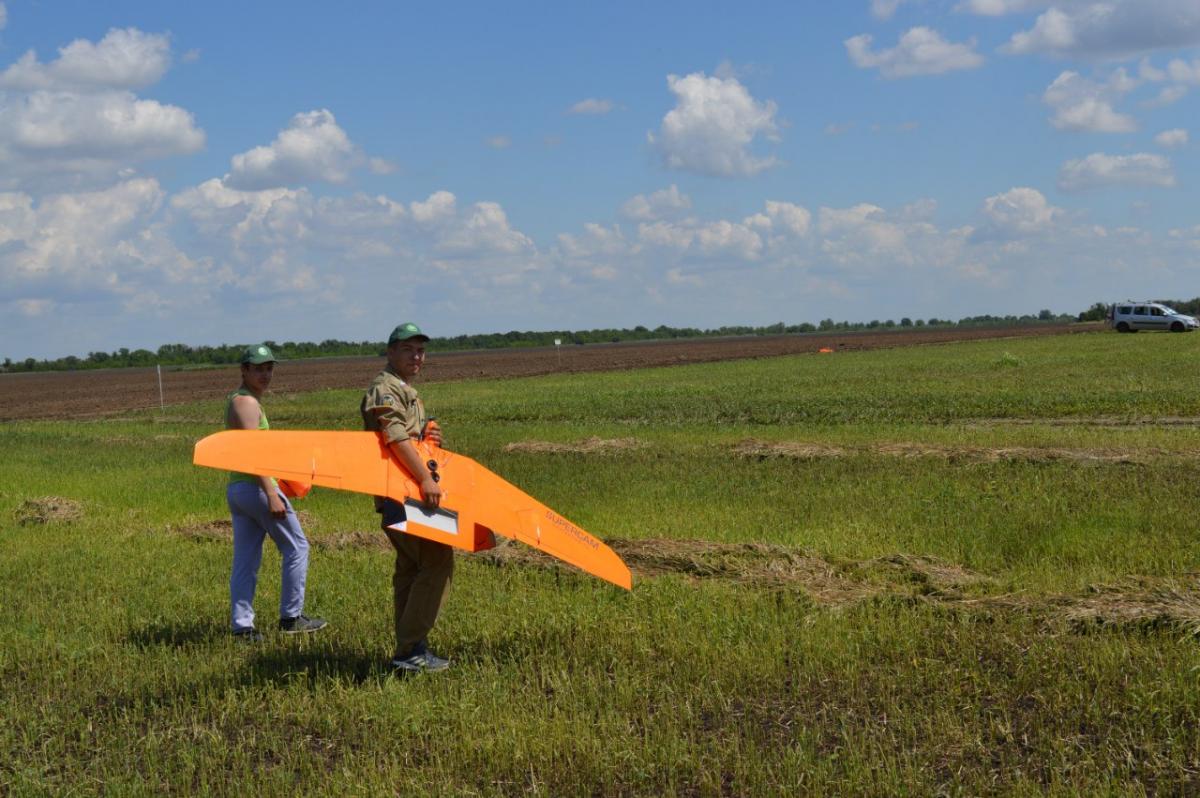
(433, 433)
(408, 455)
(431, 492)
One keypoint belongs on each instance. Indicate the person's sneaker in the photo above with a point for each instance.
(247, 635)
(421, 659)
(435, 663)
(413, 663)
(301, 624)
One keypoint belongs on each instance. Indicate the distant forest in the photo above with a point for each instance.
(185, 355)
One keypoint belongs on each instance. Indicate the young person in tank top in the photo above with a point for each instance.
(259, 509)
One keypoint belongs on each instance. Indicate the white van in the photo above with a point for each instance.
(1134, 316)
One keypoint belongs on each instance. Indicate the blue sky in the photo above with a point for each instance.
(227, 173)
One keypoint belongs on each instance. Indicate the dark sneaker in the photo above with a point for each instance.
(432, 661)
(435, 663)
(413, 663)
(301, 624)
(247, 635)
(420, 660)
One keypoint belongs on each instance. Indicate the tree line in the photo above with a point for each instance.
(227, 354)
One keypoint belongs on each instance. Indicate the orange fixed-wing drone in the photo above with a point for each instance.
(475, 502)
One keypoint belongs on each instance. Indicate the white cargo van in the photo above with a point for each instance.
(1134, 316)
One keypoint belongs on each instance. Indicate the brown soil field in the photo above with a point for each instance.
(104, 392)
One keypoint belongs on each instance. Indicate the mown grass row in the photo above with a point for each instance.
(117, 676)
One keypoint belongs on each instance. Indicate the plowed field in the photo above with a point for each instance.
(88, 394)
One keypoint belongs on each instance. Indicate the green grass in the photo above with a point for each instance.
(117, 675)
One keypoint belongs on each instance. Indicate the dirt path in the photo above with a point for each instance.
(95, 393)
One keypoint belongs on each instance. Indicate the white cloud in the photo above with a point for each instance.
(337, 254)
(861, 235)
(728, 69)
(1150, 73)
(3, 16)
(920, 51)
(126, 58)
(1121, 82)
(592, 106)
(1180, 232)
(884, 9)
(101, 125)
(719, 240)
(597, 240)
(440, 207)
(1081, 104)
(1176, 137)
(1053, 32)
(1099, 170)
(865, 244)
(1017, 213)
(792, 218)
(667, 235)
(999, 8)
(917, 212)
(782, 218)
(36, 307)
(722, 240)
(678, 277)
(1111, 28)
(1168, 96)
(17, 217)
(1179, 73)
(244, 218)
(1184, 72)
(665, 203)
(312, 148)
(713, 125)
(55, 136)
(381, 166)
(90, 242)
(73, 123)
(485, 232)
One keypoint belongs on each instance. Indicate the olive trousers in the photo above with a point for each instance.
(424, 569)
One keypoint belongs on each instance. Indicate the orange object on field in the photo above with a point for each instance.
(824, 350)
(475, 501)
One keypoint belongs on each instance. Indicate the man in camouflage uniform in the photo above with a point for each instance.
(424, 568)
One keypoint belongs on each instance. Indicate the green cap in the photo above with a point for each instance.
(405, 331)
(257, 353)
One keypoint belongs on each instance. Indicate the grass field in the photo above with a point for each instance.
(961, 569)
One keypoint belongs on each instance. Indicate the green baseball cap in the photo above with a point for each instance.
(405, 331)
(256, 354)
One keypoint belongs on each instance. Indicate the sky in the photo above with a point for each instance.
(220, 172)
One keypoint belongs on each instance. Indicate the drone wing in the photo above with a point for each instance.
(475, 503)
